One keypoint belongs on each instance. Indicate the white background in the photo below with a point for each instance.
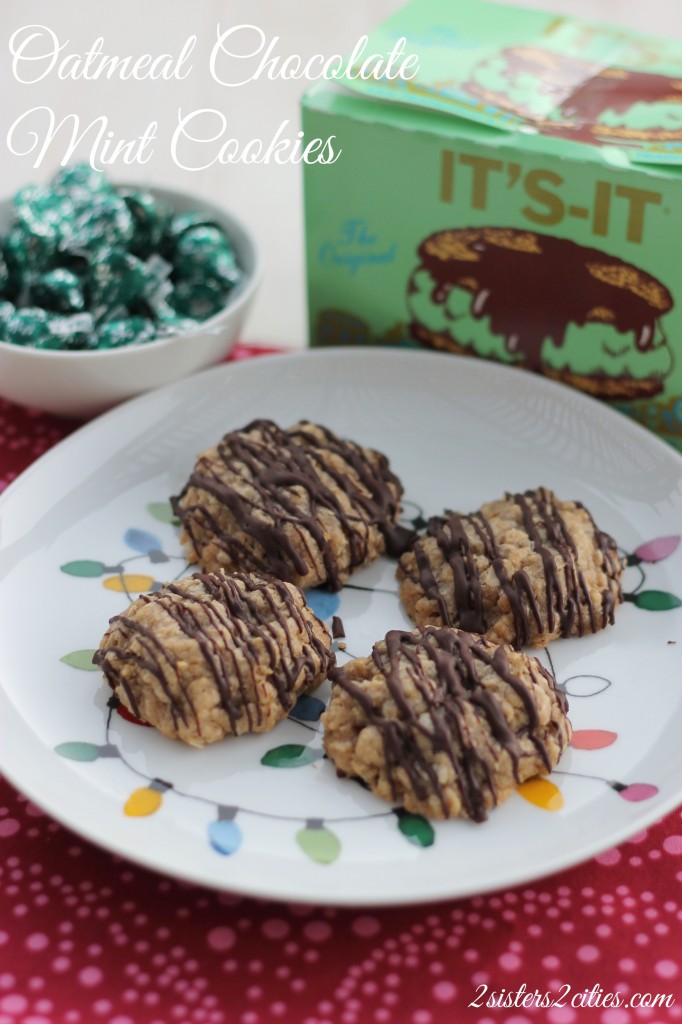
(268, 197)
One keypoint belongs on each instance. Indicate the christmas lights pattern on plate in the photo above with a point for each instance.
(315, 837)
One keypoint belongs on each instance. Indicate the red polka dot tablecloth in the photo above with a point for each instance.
(86, 938)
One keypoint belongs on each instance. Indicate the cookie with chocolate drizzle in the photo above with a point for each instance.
(523, 570)
(301, 504)
(215, 655)
(444, 723)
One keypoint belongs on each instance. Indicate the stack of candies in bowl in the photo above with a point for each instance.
(87, 265)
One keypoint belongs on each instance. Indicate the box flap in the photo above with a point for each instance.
(523, 70)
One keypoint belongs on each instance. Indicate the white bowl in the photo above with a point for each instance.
(85, 383)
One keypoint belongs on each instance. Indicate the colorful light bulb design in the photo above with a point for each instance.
(129, 583)
(224, 834)
(634, 791)
(654, 550)
(291, 755)
(318, 842)
(654, 600)
(541, 793)
(146, 800)
(78, 751)
(415, 827)
(315, 839)
(146, 543)
(593, 739)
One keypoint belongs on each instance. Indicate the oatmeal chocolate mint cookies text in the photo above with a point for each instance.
(200, 138)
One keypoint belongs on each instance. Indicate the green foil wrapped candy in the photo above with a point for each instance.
(196, 241)
(59, 290)
(69, 333)
(26, 255)
(134, 330)
(159, 271)
(205, 250)
(222, 265)
(4, 275)
(26, 326)
(103, 222)
(171, 322)
(7, 310)
(150, 220)
(38, 211)
(183, 222)
(198, 298)
(118, 278)
(86, 264)
(12, 280)
(79, 181)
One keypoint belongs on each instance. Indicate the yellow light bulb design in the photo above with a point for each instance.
(542, 793)
(130, 582)
(146, 800)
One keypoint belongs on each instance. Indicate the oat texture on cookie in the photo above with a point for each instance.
(444, 723)
(524, 570)
(215, 655)
(301, 504)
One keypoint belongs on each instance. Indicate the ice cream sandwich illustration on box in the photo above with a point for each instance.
(571, 98)
(543, 303)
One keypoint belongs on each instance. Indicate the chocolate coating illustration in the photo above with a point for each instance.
(546, 304)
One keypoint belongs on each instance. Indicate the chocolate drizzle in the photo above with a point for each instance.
(581, 92)
(288, 491)
(338, 630)
(532, 286)
(442, 671)
(239, 623)
(567, 609)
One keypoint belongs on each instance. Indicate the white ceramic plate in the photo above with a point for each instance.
(89, 521)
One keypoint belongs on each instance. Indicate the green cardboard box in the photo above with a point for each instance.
(520, 199)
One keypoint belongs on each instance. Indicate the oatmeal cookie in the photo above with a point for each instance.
(444, 723)
(523, 570)
(215, 655)
(301, 504)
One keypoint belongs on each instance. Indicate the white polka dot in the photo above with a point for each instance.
(366, 926)
(509, 961)
(615, 1015)
(14, 1003)
(275, 928)
(317, 931)
(444, 991)
(608, 857)
(220, 939)
(666, 969)
(561, 1015)
(90, 976)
